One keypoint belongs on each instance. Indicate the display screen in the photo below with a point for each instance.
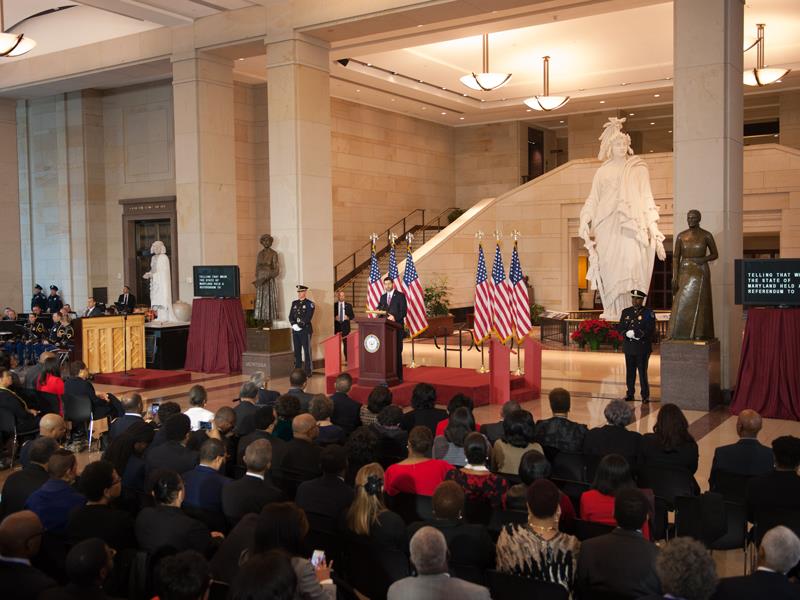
(216, 281)
(768, 282)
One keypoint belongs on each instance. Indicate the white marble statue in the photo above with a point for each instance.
(160, 283)
(619, 223)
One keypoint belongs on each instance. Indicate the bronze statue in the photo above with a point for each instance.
(266, 305)
(692, 314)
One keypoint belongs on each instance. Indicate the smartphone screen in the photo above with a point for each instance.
(318, 558)
(154, 408)
(205, 425)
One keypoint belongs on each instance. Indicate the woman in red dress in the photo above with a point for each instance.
(50, 381)
(417, 474)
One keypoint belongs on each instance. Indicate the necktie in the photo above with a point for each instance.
(125, 300)
(341, 311)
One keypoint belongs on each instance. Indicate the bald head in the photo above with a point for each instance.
(748, 424)
(305, 427)
(52, 426)
(20, 535)
(45, 356)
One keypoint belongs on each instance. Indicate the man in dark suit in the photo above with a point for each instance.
(255, 490)
(495, 431)
(93, 309)
(173, 453)
(21, 484)
(246, 408)
(637, 324)
(395, 305)
(51, 426)
(342, 315)
(126, 301)
(57, 498)
(297, 386)
(328, 495)
(614, 438)
(132, 405)
(779, 489)
(301, 459)
(559, 432)
(203, 485)
(346, 411)
(778, 553)
(24, 417)
(747, 456)
(621, 563)
(20, 540)
(262, 421)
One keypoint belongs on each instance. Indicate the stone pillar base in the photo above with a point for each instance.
(269, 340)
(273, 364)
(690, 374)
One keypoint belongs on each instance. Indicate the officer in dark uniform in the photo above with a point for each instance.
(34, 333)
(637, 325)
(300, 316)
(54, 303)
(39, 299)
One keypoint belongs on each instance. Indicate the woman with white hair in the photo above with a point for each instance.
(614, 437)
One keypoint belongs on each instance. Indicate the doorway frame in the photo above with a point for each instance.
(148, 209)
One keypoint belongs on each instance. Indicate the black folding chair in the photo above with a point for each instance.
(500, 518)
(78, 409)
(10, 435)
(411, 507)
(512, 587)
(47, 402)
(573, 489)
(732, 486)
(569, 465)
(667, 482)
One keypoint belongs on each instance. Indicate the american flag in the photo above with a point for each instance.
(484, 296)
(519, 298)
(375, 288)
(393, 273)
(416, 319)
(502, 321)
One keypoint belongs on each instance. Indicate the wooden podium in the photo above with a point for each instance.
(377, 354)
(104, 343)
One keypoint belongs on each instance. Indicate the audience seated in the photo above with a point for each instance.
(101, 485)
(327, 495)
(559, 432)
(203, 485)
(534, 466)
(747, 456)
(686, 570)
(423, 409)
(87, 566)
(21, 484)
(33, 373)
(51, 426)
(456, 402)
(133, 407)
(392, 440)
(173, 453)
(598, 504)
(621, 563)
(450, 445)
(165, 525)
(266, 397)
(255, 490)
(127, 454)
(670, 444)
(223, 429)
(263, 421)
(368, 516)
(56, 499)
(537, 549)
(246, 408)
(517, 439)
(379, 398)
(779, 489)
(77, 385)
(321, 408)
(614, 438)
(165, 411)
(268, 576)
(20, 540)
(183, 576)
(362, 449)
(24, 417)
(469, 545)
(778, 553)
(297, 386)
(479, 483)
(428, 550)
(494, 431)
(417, 474)
(301, 459)
(50, 381)
(197, 413)
(287, 408)
(345, 409)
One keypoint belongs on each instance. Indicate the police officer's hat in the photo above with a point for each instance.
(37, 287)
(54, 288)
(638, 294)
(302, 288)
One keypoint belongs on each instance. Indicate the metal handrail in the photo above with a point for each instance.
(459, 349)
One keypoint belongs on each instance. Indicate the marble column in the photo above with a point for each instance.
(301, 212)
(789, 115)
(11, 292)
(708, 120)
(205, 169)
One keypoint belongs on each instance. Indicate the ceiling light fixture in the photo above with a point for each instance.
(13, 44)
(485, 81)
(546, 102)
(761, 76)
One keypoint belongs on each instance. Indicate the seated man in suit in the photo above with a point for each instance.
(301, 458)
(255, 490)
(779, 489)
(558, 431)
(328, 495)
(429, 556)
(134, 409)
(747, 456)
(24, 417)
(345, 410)
(20, 541)
(203, 485)
(51, 426)
(614, 438)
(246, 408)
(56, 499)
(495, 431)
(262, 422)
(621, 563)
(266, 397)
(778, 554)
(126, 301)
(396, 307)
(297, 386)
(21, 484)
(93, 309)
(172, 454)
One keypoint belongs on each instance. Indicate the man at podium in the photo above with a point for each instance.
(394, 303)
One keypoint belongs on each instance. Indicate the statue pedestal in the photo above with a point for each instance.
(269, 351)
(690, 374)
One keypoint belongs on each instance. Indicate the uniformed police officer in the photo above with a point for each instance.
(34, 334)
(54, 302)
(637, 325)
(39, 299)
(300, 316)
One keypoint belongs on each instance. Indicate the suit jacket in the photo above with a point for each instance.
(170, 455)
(120, 424)
(433, 587)
(342, 327)
(303, 397)
(267, 397)
(642, 321)
(95, 311)
(126, 306)
(346, 412)
(248, 495)
(278, 446)
(758, 585)
(161, 526)
(621, 562)
(469, 545)
(652, 454)
(245, 410)
(746, 457)
(203, 488)
(425, 417)
(328, 495)
(560, 433)
(113, 526)
(53, 502)
(300, 461)
(19, 486)
(612, 439)
(22, 582)
(397, 307)
(493, 431)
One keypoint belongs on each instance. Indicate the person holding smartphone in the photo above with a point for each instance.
(199, 416)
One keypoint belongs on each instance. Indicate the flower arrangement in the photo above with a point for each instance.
(595, 332)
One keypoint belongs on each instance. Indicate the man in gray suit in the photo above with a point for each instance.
(429, 555)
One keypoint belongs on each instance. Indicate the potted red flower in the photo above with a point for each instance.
(594, 332)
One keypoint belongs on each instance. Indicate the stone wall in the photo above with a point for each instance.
(11, 292)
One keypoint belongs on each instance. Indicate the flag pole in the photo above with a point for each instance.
(483, 368)
(515, 235)
(409, 239)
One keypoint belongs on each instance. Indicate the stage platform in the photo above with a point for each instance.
(144, 378)
(447, 381)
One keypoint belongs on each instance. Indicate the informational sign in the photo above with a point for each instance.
(768, 282)
(216, 281)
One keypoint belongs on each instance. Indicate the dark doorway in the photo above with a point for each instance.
(660, 295)
(535, 153)
(144, 234)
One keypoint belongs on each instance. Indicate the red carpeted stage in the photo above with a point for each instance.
(144, 378)
(447, 381)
